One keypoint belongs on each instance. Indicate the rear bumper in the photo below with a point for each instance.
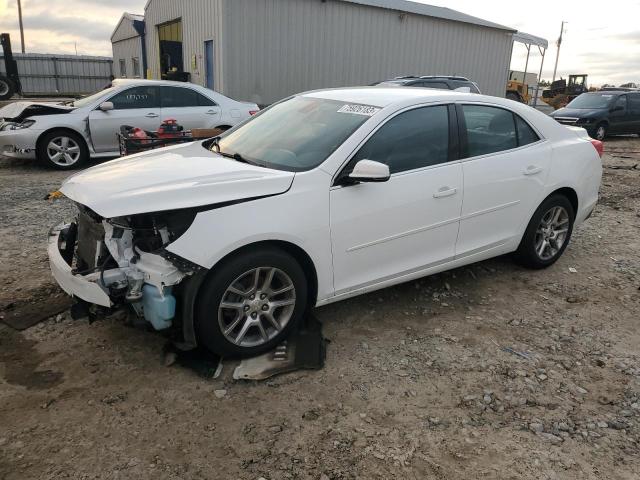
(75, 285)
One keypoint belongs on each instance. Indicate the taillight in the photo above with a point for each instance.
(598, 145)
(253, 112)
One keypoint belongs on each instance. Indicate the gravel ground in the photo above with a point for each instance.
(489, 371)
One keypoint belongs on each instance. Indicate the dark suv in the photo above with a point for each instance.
(602, 113)
(436, 81)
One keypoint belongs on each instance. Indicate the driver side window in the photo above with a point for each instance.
(414, 139)
(621, 102)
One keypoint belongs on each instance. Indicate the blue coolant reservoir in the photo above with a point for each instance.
(158, 309)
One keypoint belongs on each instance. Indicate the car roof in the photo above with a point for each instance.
(385, 96)
(120, 82)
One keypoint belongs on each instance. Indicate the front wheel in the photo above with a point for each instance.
(251, 303)
(7, 88)
(600, 132)
(547, 234)
(62, 149)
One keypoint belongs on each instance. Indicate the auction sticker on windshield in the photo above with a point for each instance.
(359, 109)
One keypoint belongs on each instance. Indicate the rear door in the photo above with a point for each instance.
(505, 169)
(189, 108)
(135, 106)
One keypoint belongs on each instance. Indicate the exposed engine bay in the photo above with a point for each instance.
(125, 257)
(13, 115)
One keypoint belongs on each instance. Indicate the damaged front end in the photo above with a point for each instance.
(16, 115)
(122, 261)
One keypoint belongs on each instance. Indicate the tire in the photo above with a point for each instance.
(225, 306)
(536, 233)
(7, 88)
(514, 96)
(50, 150)
(599, 132)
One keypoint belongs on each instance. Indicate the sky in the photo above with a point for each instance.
(602, 41)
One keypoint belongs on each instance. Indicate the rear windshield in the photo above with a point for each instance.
(591, 100)
(297, 134)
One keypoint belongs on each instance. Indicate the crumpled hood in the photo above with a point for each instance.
(19, 110)
(180, 176)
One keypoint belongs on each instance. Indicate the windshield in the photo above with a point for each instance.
(84, 101)
(295, 135)
(591, 100)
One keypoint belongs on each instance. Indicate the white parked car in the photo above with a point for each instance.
(66, 135)
(321, 197)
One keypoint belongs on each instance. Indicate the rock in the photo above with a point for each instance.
(573, 270)
(616, 425)
(536, 427)
(550, 437)
(542, 377)
(275, 429)
(324, 477)
(602, 424)
(581, 390)
(220, 393)
(487, 399)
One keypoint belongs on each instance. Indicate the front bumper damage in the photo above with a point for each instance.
(121, 275)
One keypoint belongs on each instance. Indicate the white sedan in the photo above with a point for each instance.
(66, 135)
(321, 197)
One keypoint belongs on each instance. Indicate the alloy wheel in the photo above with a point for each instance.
(256, 306)
(551, 233)
(63, 151)
(601, 131)
(4, 88)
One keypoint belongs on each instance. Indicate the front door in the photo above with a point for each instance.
(620, 119)
(189, 108)
(136, 107)
(504, 178)
(381, 231)
(208, 63)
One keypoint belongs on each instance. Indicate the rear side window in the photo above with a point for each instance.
(136, 97)
(183, 97)
(489, 130)
(410, 140)
(634, 101)
(526, 135)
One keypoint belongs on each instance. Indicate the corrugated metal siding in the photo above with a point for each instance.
(127, 49)
(202, 20)
(275, 48)
(124, 31)
(46, 74)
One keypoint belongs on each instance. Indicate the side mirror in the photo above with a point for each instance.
(370, 171)
(106, 106)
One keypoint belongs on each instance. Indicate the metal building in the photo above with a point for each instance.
(264, 50)
(128, 44)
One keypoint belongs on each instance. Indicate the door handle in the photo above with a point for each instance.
(445, 192)
(211, 112)
(532, 170)
(152, 115)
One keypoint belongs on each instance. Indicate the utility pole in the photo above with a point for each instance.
(21, 27)
(558, 43)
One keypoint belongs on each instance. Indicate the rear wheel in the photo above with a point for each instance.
(7, 88)
(251, 303)
(62, 149)
(547, 234)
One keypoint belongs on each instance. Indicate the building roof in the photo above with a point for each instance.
(132, 17)
(430, 11)
(422, 9)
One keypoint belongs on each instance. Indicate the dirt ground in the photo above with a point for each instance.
(489, 371)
